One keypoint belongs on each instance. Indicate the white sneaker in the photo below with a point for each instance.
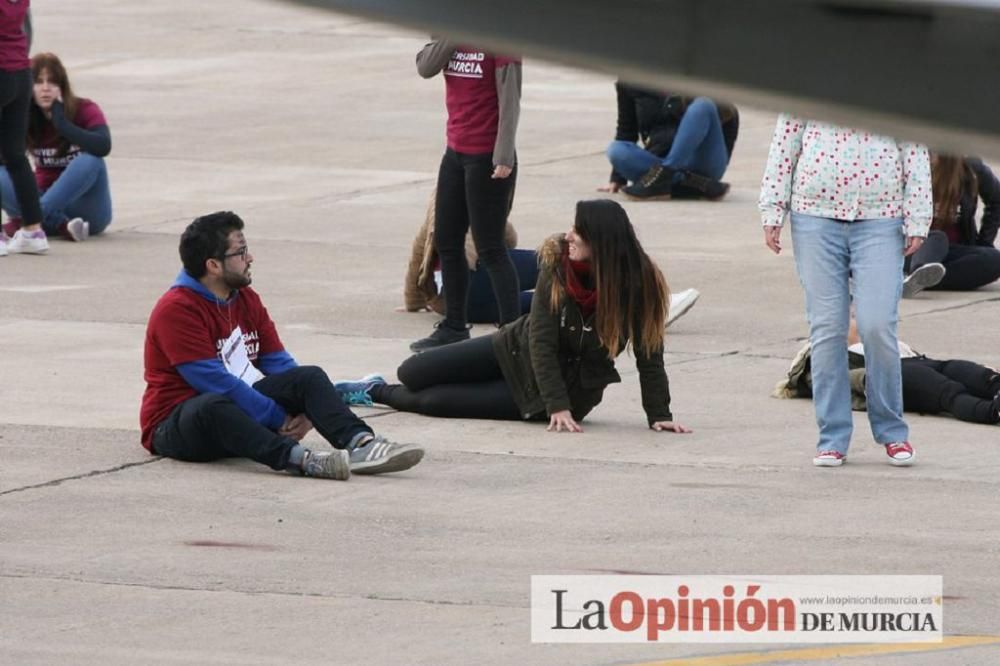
(680, 303)
(28, 242)
(78, 229)
(3, 244)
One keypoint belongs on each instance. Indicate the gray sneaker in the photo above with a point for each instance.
(334, 464)
(921, 278)
(379, 456)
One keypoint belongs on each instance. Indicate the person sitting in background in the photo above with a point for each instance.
(966, 390)
(958, 256)
(422, 288)
(687, 143)
(68, 138)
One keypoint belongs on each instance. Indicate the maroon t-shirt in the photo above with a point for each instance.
(13, 41)
(49, 164)
(184, 327)
(471, 98)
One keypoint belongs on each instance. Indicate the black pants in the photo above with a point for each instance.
(461, 380)
(482, 302)
(468, 198)
(967, 267)
(15, 98)
(964, 389)
(210, 426)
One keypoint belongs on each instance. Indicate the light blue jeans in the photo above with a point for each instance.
(82, 190)
(698, 146)
(830, 255)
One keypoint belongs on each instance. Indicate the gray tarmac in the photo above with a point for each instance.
(316, 129)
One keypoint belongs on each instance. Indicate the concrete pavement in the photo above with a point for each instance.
(316, 129)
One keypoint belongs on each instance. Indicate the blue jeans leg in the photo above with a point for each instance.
(82, 190)
(823, 259)
(7, 195)
(699, 145)
(630, 160)
(876, 248)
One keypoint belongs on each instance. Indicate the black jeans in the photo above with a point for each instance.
(962, 388)
(15, 98)
(210, 426)
(468, 198)
(461, 380)
(967, 267)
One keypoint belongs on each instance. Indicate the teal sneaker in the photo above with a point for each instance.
(358, 393)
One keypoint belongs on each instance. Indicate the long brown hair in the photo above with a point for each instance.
(950, 178)
(631, 291)
(49, 63)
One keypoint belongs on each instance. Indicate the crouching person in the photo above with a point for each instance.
(219, 383)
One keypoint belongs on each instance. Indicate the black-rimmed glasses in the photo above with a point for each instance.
(241, 253)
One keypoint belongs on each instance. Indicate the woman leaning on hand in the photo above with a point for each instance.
(598, 292)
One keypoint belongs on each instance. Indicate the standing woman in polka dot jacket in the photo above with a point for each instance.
(859, 204)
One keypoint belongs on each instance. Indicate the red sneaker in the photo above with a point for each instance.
(11, 226)
(829, 459)
(900, 454)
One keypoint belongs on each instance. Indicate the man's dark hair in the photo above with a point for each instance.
(207, 238)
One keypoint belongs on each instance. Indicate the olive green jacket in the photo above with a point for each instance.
(554, 361)
(798, 382)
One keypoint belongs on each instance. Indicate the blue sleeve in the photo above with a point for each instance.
(210, 376)
(275, 362)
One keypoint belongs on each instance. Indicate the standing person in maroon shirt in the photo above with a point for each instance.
(475, 184)
(15, 96)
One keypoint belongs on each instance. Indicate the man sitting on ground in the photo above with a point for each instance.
(219, 383)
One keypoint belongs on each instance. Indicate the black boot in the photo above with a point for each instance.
(693, 185)
(654, 185)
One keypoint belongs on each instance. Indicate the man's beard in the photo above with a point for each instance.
(235, 280)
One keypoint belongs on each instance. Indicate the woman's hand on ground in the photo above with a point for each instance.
(501, 171)
(913, 244)
(772, 238)
(611, 187)
(670, 426)
(563, 419)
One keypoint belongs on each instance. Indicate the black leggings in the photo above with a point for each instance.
(967, 267)
(468, 198)
(461, 380)
(15, 98)
(964, 389)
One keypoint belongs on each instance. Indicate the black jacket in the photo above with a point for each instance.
(987, 189)
(652, 118)
(554, 361)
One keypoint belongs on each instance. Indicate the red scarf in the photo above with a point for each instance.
(576, 273)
